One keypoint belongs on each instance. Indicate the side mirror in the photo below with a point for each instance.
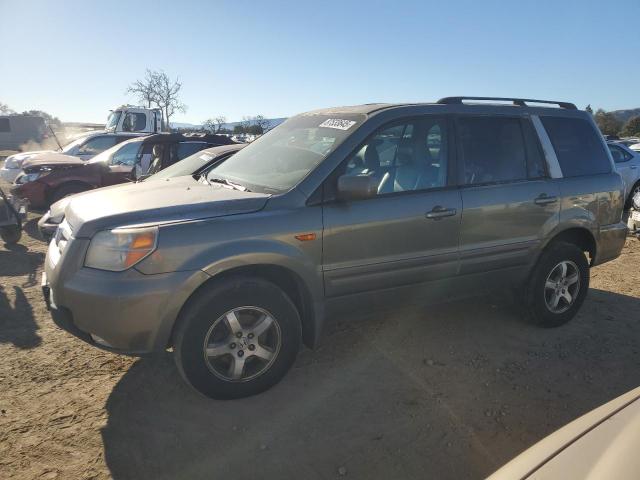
(357, 187)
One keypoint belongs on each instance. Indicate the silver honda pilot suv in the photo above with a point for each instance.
(343, 209)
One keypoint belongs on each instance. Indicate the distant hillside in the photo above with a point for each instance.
(273, 122)
(624, 115)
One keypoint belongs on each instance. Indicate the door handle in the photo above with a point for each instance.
(544, 199)
(439, 212)
(633, 167)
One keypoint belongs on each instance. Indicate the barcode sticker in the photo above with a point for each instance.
(337, 123)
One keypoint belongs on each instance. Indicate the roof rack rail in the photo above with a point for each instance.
(521, 102)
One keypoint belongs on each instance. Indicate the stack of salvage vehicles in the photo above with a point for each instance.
(131, 147)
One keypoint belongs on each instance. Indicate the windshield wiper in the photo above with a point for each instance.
(224, 181)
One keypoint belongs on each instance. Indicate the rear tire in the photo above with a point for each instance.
(221, 325)
(66, 190)
(11, 234)
(558, 285)
(635, 189)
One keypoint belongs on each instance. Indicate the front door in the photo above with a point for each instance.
(408, 233)
(509, 201)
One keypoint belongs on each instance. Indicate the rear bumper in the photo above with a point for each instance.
(611, 240)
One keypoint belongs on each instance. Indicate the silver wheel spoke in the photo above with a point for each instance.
(262, 325)
(233, 322)
(571, 279)
(550, 285)
(236, 368)
(567, 296)
(555, 299)
(217, 349)
(563, 270)
(262, 352)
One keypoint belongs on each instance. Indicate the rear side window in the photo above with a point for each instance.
(186, 149)
(492, 149)
(5, 126)
(577, 145)
(619, 155)
(134, 122)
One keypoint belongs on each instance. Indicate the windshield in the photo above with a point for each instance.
(281, 158)
(112, 120)
(69, 146)
(187, 166)
(123, 153)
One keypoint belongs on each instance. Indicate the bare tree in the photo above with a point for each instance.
(145, 89)
(4, 109)
(158, 89)
(214, 125)
(261, 122)
(167, 91)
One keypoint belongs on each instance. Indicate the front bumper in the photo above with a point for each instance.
(126, 312)
(46, 226)
(35, 192)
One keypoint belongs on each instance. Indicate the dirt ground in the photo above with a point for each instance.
(446, 392)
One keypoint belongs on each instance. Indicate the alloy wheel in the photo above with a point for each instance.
(562, 287)
(242, 344)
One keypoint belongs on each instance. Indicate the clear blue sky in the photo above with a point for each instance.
(75, 59)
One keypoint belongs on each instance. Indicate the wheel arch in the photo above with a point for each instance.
(283, 277)
(51, 192)
(579, 236)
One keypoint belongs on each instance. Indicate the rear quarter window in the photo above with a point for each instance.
(577, 145)
(5, 126)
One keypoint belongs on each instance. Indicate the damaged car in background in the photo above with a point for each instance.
(13, 212)
(44, 181)
(195, 165)
(84, 148)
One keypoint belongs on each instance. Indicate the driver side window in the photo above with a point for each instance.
(404, 157)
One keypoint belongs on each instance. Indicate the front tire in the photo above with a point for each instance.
(558, 285)
(237, 338)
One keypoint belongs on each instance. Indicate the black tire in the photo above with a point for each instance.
(635, 189)
(65, 190)
(210, 304)
(11, 234)
(537, 293)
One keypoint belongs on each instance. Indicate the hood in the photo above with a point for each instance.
(175, 199)
(15, 160)
(52, 159)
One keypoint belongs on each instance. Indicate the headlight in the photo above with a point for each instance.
(30, 177)
(12, 163)
(119, 249)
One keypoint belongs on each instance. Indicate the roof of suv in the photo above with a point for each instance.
(369, 108)
(181, 137)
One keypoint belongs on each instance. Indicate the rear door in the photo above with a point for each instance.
(408, 233)
(509, 201)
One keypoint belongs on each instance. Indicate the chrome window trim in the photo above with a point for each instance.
(549, 153)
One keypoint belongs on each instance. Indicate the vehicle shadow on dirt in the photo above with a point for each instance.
(17, 323)
(449, 392)
(17, 260)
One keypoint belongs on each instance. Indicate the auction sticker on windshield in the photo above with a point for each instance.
(337, 123)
